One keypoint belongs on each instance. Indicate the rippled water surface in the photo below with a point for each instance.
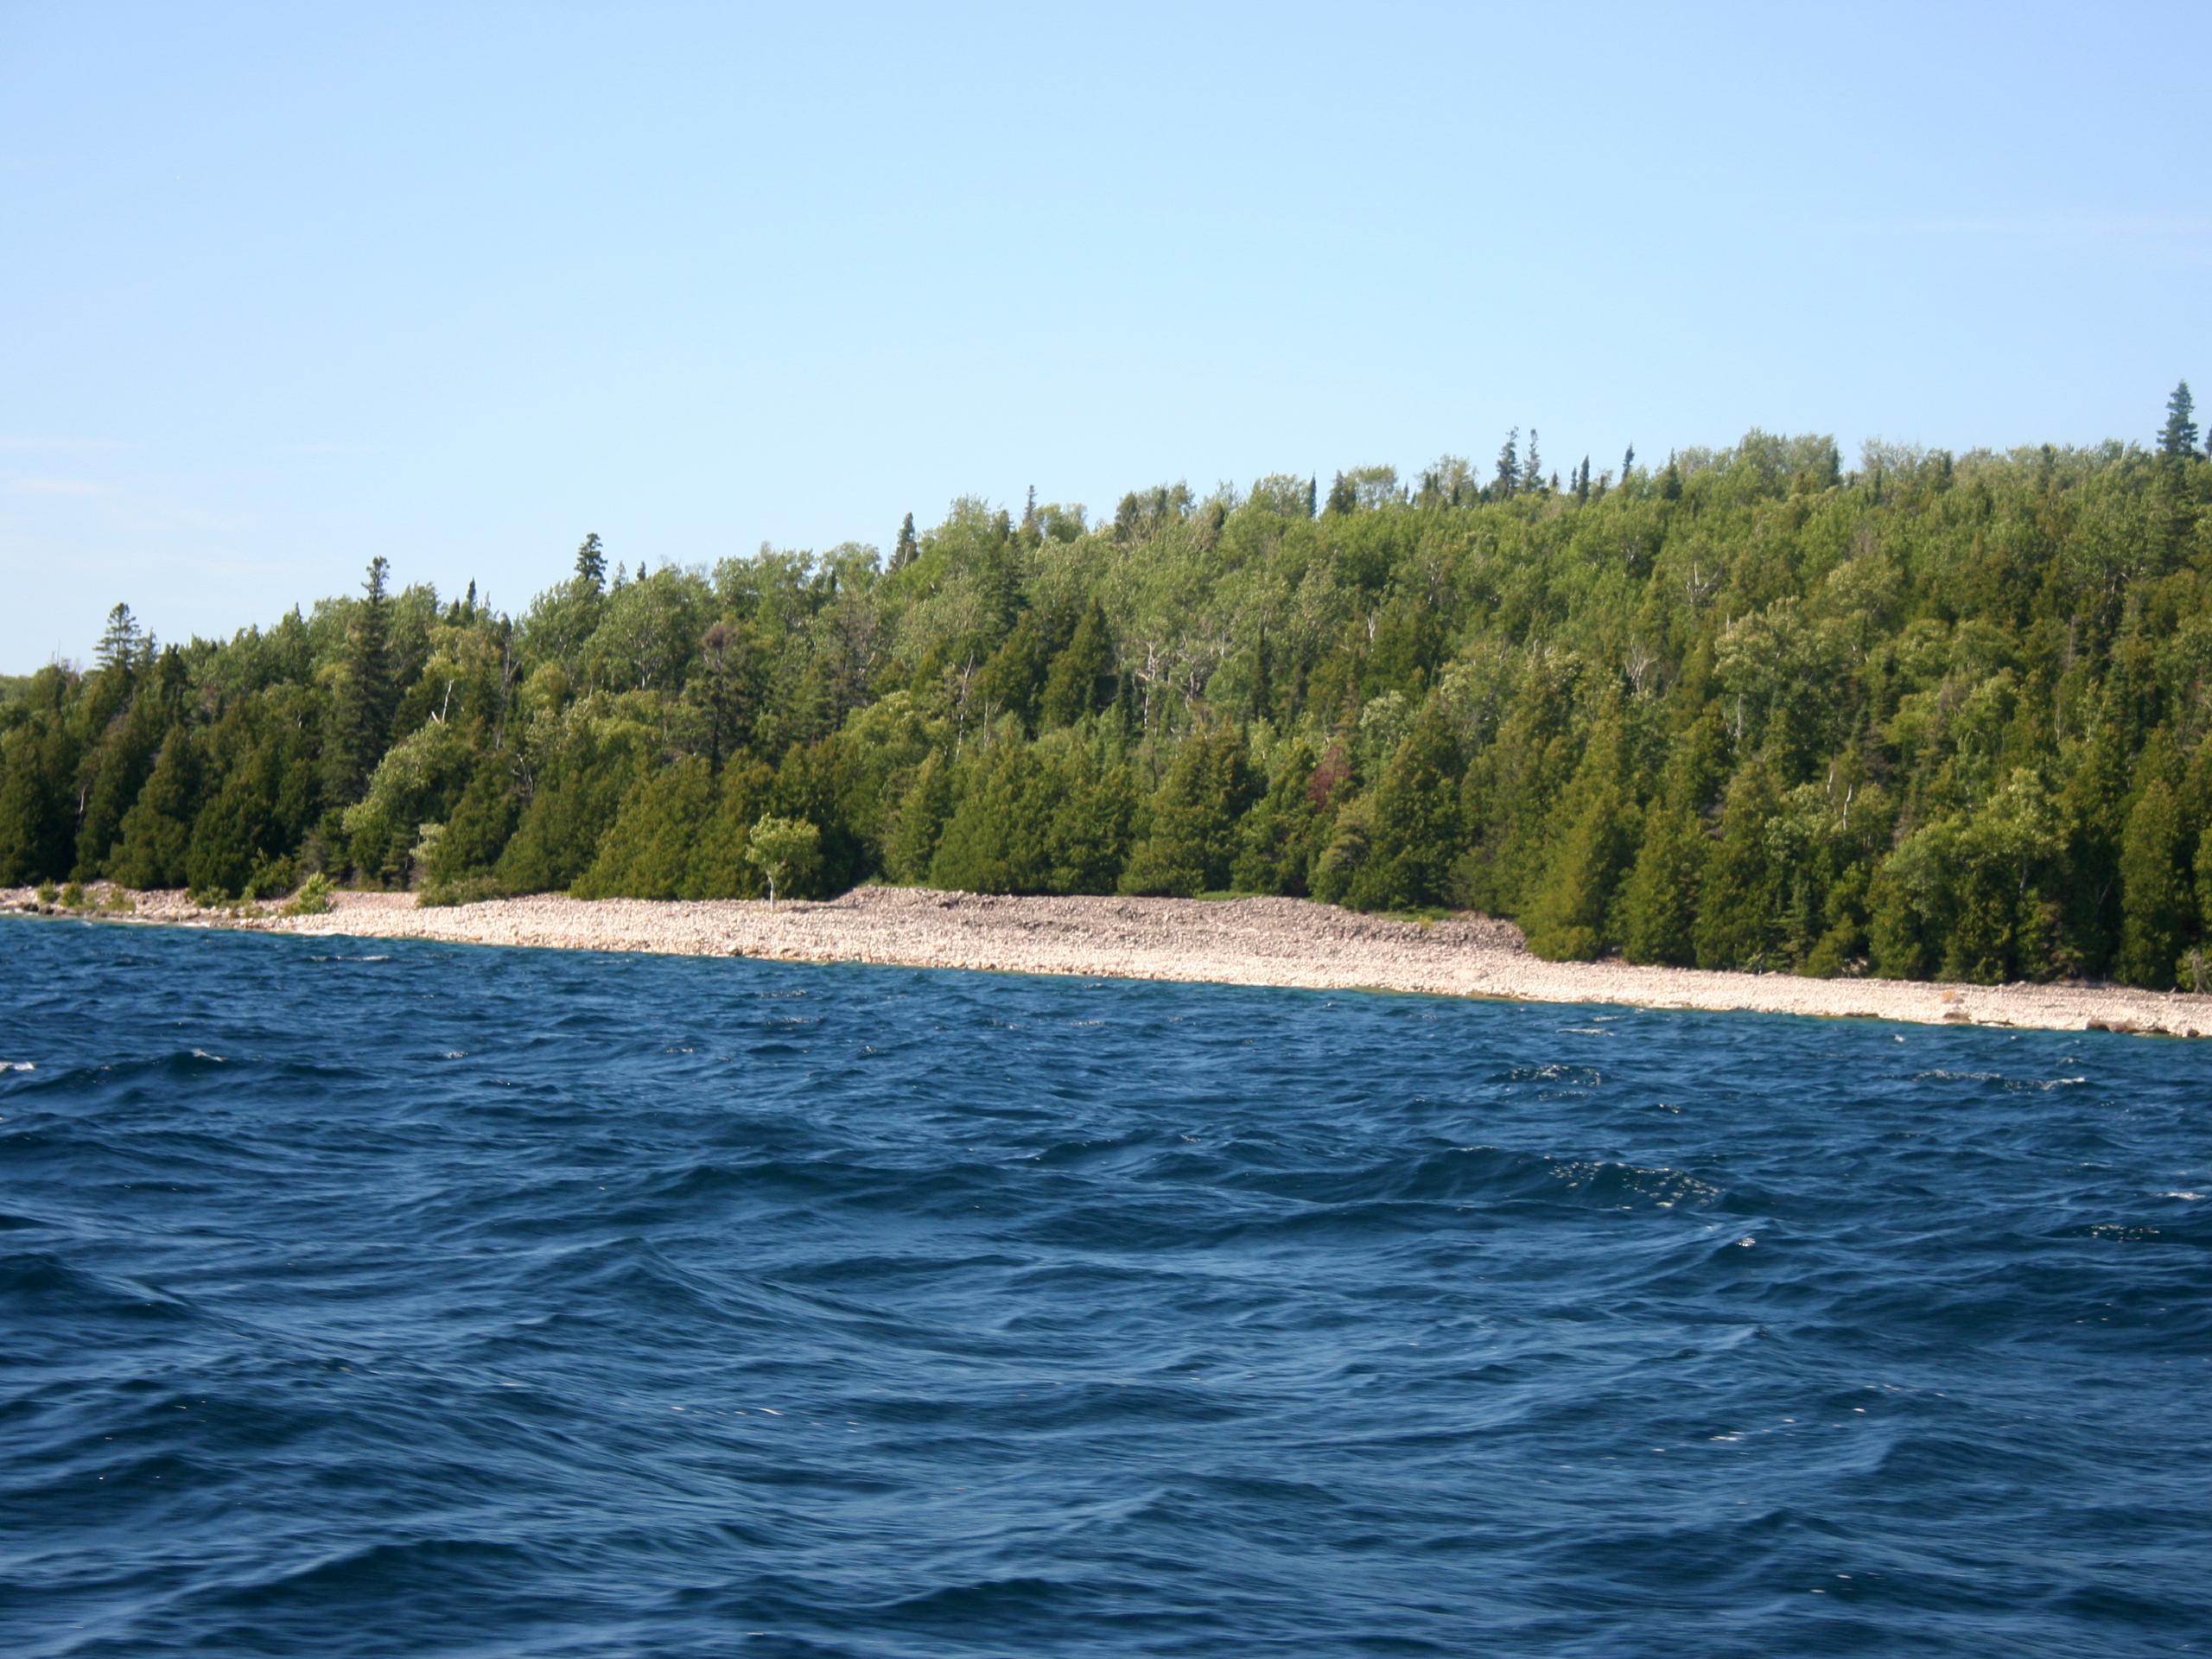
(396, 1298)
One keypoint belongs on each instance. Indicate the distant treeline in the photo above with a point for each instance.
(1934, 716)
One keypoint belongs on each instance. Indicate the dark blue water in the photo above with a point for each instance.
(396, 1298)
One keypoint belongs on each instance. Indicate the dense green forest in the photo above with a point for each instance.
(1934, 716)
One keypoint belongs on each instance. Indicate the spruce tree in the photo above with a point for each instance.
(361, 717)
(2177, 439)
(122, 640)
(591, 564)
(1509, 464)
(907, 548)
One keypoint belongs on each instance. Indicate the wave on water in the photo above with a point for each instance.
(429, 1302)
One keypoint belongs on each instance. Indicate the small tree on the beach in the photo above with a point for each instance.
(786, 850)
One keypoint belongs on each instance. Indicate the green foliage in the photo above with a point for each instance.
(647, 854)
(465, 890)
(157, 832)
(271, 878)
(1190, 844)
(1285, 831)
(480, 824)
(1573, 917)
(721, 865)
(1416, 820)
(313, 898)
(2151, 890)
(1660, 905)
(361, 717)
(1740, 899)
(1936, 714)
(787, 851)
(1081, 680)
(994, 841)
(918, 826)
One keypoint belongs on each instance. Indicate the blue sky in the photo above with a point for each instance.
(290, 286)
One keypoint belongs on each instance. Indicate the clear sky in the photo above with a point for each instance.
(287, 286)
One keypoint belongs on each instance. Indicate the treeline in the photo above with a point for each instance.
(1935, 716)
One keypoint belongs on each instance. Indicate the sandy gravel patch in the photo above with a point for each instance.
(1285, 941)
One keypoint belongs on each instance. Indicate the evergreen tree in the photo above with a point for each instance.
(1191, 839)
(36, 839)
(361, 717)
(1509, 464)
(2151, 890)
(1416, 820)
(919, 824)
(578, 790)
(228, 836)
(1574, 914)
(591, 564)
(1015, 676)
(647, 852)
(1081, 680)
(483, 818)
(1087, 837)
(996, 841)
(1740, 896)
(721, 865)
(1283, 834)
(157, 832)
(123, 761)
(812, 782)
(122, 641)
(2177, 439)
(1659, 906)
(908, 548)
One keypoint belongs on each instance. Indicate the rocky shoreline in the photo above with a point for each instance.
(1285, 942)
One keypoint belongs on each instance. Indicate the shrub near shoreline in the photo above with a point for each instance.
(1935, 716)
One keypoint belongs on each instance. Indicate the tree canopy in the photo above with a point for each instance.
(1930, 714)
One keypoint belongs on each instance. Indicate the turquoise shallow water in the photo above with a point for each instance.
(396, 1298)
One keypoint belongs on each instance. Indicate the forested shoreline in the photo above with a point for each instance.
(1933, 715)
